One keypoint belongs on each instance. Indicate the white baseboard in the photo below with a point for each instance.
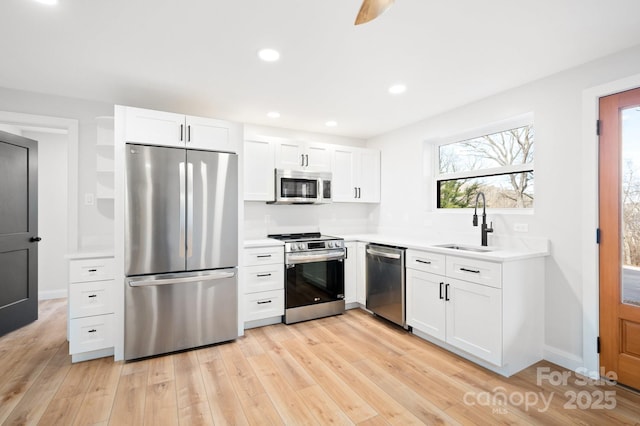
(563, 359)
(52, 294)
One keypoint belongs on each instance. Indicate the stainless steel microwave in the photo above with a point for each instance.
(302, 187)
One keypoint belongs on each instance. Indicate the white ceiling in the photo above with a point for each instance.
(199, 56)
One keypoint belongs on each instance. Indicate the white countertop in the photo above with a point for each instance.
(264, 242)
(496, 254)
(89, 254)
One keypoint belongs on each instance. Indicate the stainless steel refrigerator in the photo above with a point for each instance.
(181, 249)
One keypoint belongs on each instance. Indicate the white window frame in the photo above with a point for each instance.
(496, 127)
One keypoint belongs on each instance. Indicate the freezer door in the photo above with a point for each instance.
(212, 210)
(155, 215)
(172, 312)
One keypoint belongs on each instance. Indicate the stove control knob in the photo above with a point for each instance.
(332, 244)
(300, 246)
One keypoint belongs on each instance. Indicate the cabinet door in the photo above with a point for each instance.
(474, 319)
(369, 176)
(209, 134)
(154, 127)
(317, 157)
(425, 303)
(290, 155)
(259, 171)
(343, 185)
(361, 278)
(351, 273)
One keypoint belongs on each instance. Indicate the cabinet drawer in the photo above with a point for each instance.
(83, 270)
(92, 298)
(263, 278)
(476, 271)
(265, 304)
(264, 256)
(90, 333)
(425, 261)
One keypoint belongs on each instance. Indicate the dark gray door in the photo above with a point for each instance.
(18, 232)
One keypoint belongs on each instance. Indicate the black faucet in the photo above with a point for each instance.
(484, 230)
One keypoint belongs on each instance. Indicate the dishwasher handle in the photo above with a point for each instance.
(377, 253)
(181, 280)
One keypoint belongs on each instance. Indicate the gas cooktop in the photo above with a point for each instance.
(302, 236)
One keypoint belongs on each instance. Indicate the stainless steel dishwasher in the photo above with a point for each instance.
(385, 282)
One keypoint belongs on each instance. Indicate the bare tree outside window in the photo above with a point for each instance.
(630, 205)
(499, 164)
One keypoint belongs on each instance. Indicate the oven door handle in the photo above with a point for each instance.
(294, 258)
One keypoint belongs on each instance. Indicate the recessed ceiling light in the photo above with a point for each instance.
(48, 2)
(273, 114)
(331, 123)
(396, 89)
(269, 55)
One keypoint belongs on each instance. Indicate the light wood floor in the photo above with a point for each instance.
(349, 369)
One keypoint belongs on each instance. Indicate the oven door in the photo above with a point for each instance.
(311, 283)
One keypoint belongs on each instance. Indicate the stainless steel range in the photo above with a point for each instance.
(314, 276)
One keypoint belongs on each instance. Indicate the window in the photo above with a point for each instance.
(497, 163)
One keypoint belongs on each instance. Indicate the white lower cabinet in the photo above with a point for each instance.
(474, 319)
(91, 308)
(263, 285)
(494, 315)
(264, 304)
(361, 274)
(425, 303)
(350, 273)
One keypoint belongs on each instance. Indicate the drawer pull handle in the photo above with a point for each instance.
(262, 302)
(92, 296)
(93, 330)
(473, 271)
(263, 275)
(263, 255)
(426, 262)
(92, 270)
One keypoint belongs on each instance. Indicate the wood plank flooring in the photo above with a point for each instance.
(348, 369)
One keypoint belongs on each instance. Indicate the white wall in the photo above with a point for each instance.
(556, 103)
(94, 227)
(52, 213)
(261, 219)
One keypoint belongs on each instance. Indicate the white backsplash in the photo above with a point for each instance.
(261, 219)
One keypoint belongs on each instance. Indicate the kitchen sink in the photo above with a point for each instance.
(463, 248)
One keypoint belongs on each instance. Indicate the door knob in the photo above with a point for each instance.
(35, 239)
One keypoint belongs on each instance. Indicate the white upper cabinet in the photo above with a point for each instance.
(166, 128)
(356, 175)
(209, 134)
(298, 155)
(259, 170)
(154, 127)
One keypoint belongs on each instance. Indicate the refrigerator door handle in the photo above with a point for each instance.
(189, 209)
(180, 280)
(182, 209)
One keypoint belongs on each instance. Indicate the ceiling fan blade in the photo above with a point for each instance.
(371, 9)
